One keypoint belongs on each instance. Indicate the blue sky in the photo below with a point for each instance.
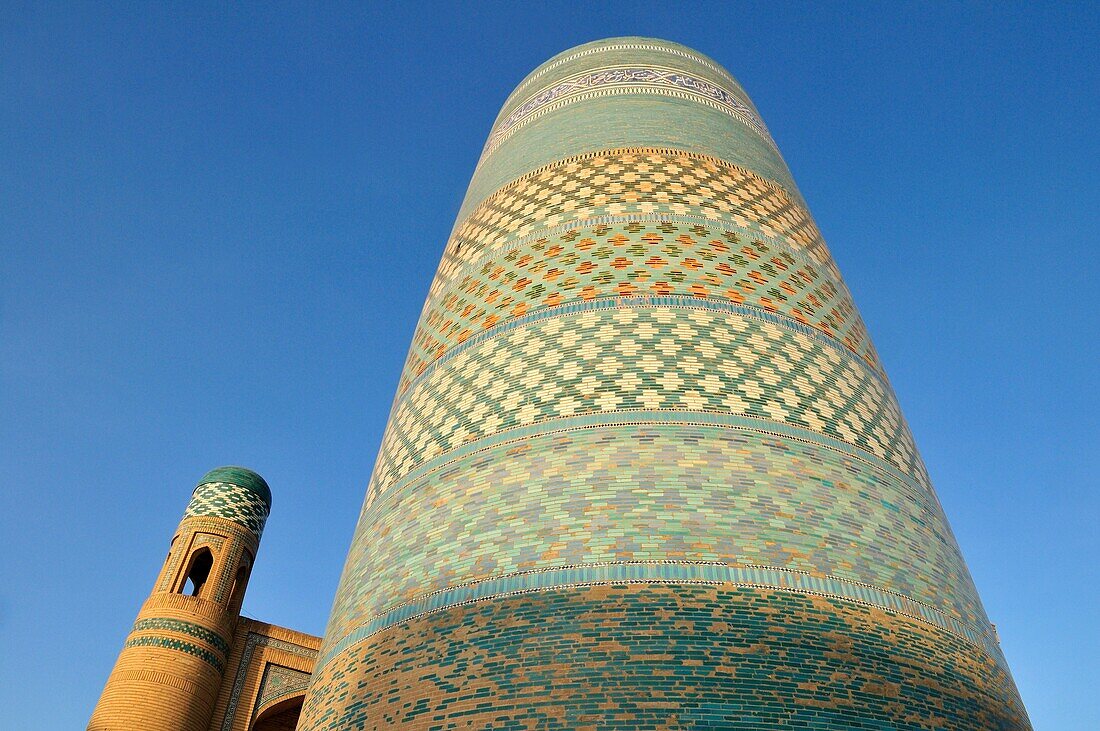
(218, 226)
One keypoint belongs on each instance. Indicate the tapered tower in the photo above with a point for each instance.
(169, 673)
(644, 468)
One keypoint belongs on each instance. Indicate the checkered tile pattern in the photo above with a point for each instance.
(225, 500)
(634, 182)
(636, 259)
(643, 358)
(644, 469)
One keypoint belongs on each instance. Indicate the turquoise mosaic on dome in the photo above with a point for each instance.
(241, 477)
(644, 468)
(236, 494)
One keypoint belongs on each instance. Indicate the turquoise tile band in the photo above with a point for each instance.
(644, 468)
(667, 573)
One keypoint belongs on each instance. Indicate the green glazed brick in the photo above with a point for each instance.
(171, 643)
(644, 469)
(187, 628)
(241, 505)
(665, 656)
(655, 492)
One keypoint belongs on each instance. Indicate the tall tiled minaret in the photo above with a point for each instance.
(170, 670)
(644, 469)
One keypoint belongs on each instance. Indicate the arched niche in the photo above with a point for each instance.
(198, 571)
(281, 714)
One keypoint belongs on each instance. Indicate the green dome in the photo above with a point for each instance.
(241, 477)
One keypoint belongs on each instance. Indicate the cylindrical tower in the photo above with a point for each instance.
(169, 672)
(644, 469)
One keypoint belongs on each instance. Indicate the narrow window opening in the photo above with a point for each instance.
(171, 547)
(240, 581)
(198, 572)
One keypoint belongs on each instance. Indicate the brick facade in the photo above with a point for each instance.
(644, 469)
(191, 663)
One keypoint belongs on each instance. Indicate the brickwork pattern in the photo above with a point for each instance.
(170, 668)
(664, 657)
(644, 469)
(157, 688)
(169, 672)
(653, 492)
(267, 665)
(629, 260)
(643, 357)
(231, 502)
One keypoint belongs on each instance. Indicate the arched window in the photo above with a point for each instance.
(168, 558)
(240, 581)
(198, 571)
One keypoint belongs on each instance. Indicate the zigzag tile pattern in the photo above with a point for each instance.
(178, 645)
(187, 628)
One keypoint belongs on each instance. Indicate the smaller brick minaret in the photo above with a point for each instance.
(168, 674)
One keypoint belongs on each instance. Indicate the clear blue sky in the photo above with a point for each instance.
(218, 225)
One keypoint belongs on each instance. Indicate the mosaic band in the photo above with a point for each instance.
(605, 50)
(172, 643)
(231, 502)
(182, 627)
(644, 258)
(664, 656)
(763, 577)
(644, 468)
(627, 81)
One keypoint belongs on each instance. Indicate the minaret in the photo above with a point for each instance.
(170, 669)
(644, 469)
